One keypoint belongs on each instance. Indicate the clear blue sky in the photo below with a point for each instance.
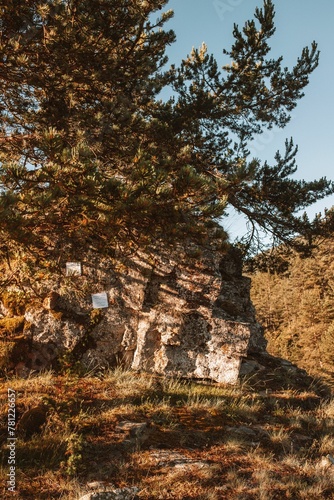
(298, 23)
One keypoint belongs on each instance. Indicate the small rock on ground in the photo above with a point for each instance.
(116, 494)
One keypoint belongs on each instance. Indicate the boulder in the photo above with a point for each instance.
(112, 494)
(182, 312)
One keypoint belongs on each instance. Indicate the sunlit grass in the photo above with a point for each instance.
(237, 443)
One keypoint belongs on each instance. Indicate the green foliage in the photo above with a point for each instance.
(68, 364)
(73, 454)
(90, 156)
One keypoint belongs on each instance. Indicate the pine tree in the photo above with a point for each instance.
(90, 154)
(296, 305)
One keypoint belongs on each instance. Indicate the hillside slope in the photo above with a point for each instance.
(163, 438)
(294, 299)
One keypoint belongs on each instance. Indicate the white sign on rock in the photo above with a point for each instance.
(73, 269)
(100, 300)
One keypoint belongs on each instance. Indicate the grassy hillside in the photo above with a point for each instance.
(294, 299)
(265, 439)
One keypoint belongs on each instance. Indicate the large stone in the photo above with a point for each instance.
(113, 494)
(184, 312)
(179, 316)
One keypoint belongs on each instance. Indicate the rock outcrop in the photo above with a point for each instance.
(184, 312)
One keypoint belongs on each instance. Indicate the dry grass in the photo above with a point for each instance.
(198, 441)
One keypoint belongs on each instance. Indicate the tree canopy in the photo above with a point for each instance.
(92, 155)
